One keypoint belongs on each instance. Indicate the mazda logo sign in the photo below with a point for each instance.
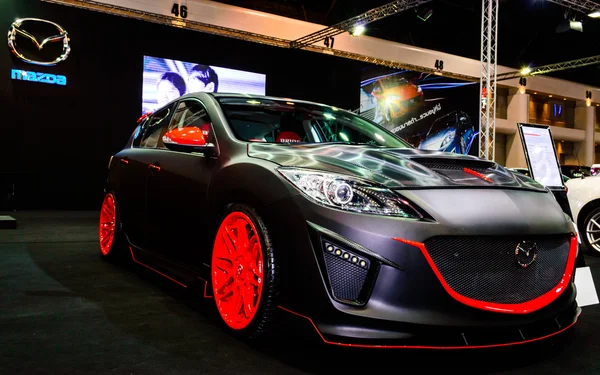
(25, 38)
(526, 253)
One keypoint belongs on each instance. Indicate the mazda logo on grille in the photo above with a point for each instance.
(526, 253)
(23, 30)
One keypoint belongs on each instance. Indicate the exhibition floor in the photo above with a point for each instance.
(64, 310)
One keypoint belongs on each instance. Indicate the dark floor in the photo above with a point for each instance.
(65, 311)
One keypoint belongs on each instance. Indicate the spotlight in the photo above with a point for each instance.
(363, 263)
(358, 30)
(346, 256)
(424, 14)
(338, 252)
(329, 248)
(594, 14)
(525, 71)
(566, 25)
(354, 259)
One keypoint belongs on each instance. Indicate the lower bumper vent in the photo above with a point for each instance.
(348, 273)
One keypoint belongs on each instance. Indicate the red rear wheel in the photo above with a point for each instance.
(237, 270)
(108, 224)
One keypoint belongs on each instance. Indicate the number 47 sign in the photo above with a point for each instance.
(179, 10)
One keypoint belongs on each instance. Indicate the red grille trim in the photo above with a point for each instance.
(517, 308)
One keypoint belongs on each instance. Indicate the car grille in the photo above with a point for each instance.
(486, 269)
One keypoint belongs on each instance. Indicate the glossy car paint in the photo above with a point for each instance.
(170, 216)
(582, 192)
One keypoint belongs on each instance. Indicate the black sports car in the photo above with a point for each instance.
(281, 207)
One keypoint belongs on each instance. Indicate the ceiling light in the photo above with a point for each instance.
(566, 25)
(358, 30)
(594, 14)
(535, 93)
(549, 96)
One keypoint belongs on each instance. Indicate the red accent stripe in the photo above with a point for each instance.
(375, 346)
(152, 269)
(205, 287)
(477, 174)
(517, 308)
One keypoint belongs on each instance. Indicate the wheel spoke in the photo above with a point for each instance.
(225, 265)
(248, 300)
(595, 223)
(239, 301)
(242, 233)
(227, 288)
(229, 240)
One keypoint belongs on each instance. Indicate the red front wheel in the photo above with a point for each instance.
(243, 273)
(109, 230)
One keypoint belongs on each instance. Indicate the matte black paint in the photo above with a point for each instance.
(172, 221)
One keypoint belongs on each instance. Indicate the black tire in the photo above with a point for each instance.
(595, 212)
(116, 250)
(266, 310)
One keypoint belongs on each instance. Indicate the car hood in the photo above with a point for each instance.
(395, 168)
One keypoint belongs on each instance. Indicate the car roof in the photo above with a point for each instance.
(218, 95)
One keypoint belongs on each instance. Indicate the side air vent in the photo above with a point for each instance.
(348, 273)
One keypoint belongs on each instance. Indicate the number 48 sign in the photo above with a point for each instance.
(179, 10)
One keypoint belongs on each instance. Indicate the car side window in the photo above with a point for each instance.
(154, 129)
(192, 113)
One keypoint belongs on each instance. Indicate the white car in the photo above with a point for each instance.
(584, 199)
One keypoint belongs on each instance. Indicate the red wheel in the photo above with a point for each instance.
(237, 270)
(108, 224)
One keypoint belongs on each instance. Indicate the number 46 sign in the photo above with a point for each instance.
(179, 10)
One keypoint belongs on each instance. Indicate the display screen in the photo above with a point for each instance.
(541, 155)
(165, 80)
(429, 111)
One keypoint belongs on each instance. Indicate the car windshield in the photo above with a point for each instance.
(390, 83)
(577, 171)
(281, 121)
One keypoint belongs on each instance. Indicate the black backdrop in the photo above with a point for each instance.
(56, 141)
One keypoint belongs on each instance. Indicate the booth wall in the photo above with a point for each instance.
(56, 141)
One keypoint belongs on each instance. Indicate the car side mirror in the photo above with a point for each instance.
(188, 139)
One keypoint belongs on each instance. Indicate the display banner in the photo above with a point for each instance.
(429, 111)
(541, 156)
(166, 79)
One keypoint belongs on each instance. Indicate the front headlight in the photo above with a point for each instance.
(349, 193)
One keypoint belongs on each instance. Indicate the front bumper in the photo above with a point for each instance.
(406, 305)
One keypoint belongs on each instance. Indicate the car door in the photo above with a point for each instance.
(176, 194)
(134, 163)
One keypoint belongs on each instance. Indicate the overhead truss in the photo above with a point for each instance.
(489, 38)
(244, 35)
(544, 69)
(362, 19)
(583, 6)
